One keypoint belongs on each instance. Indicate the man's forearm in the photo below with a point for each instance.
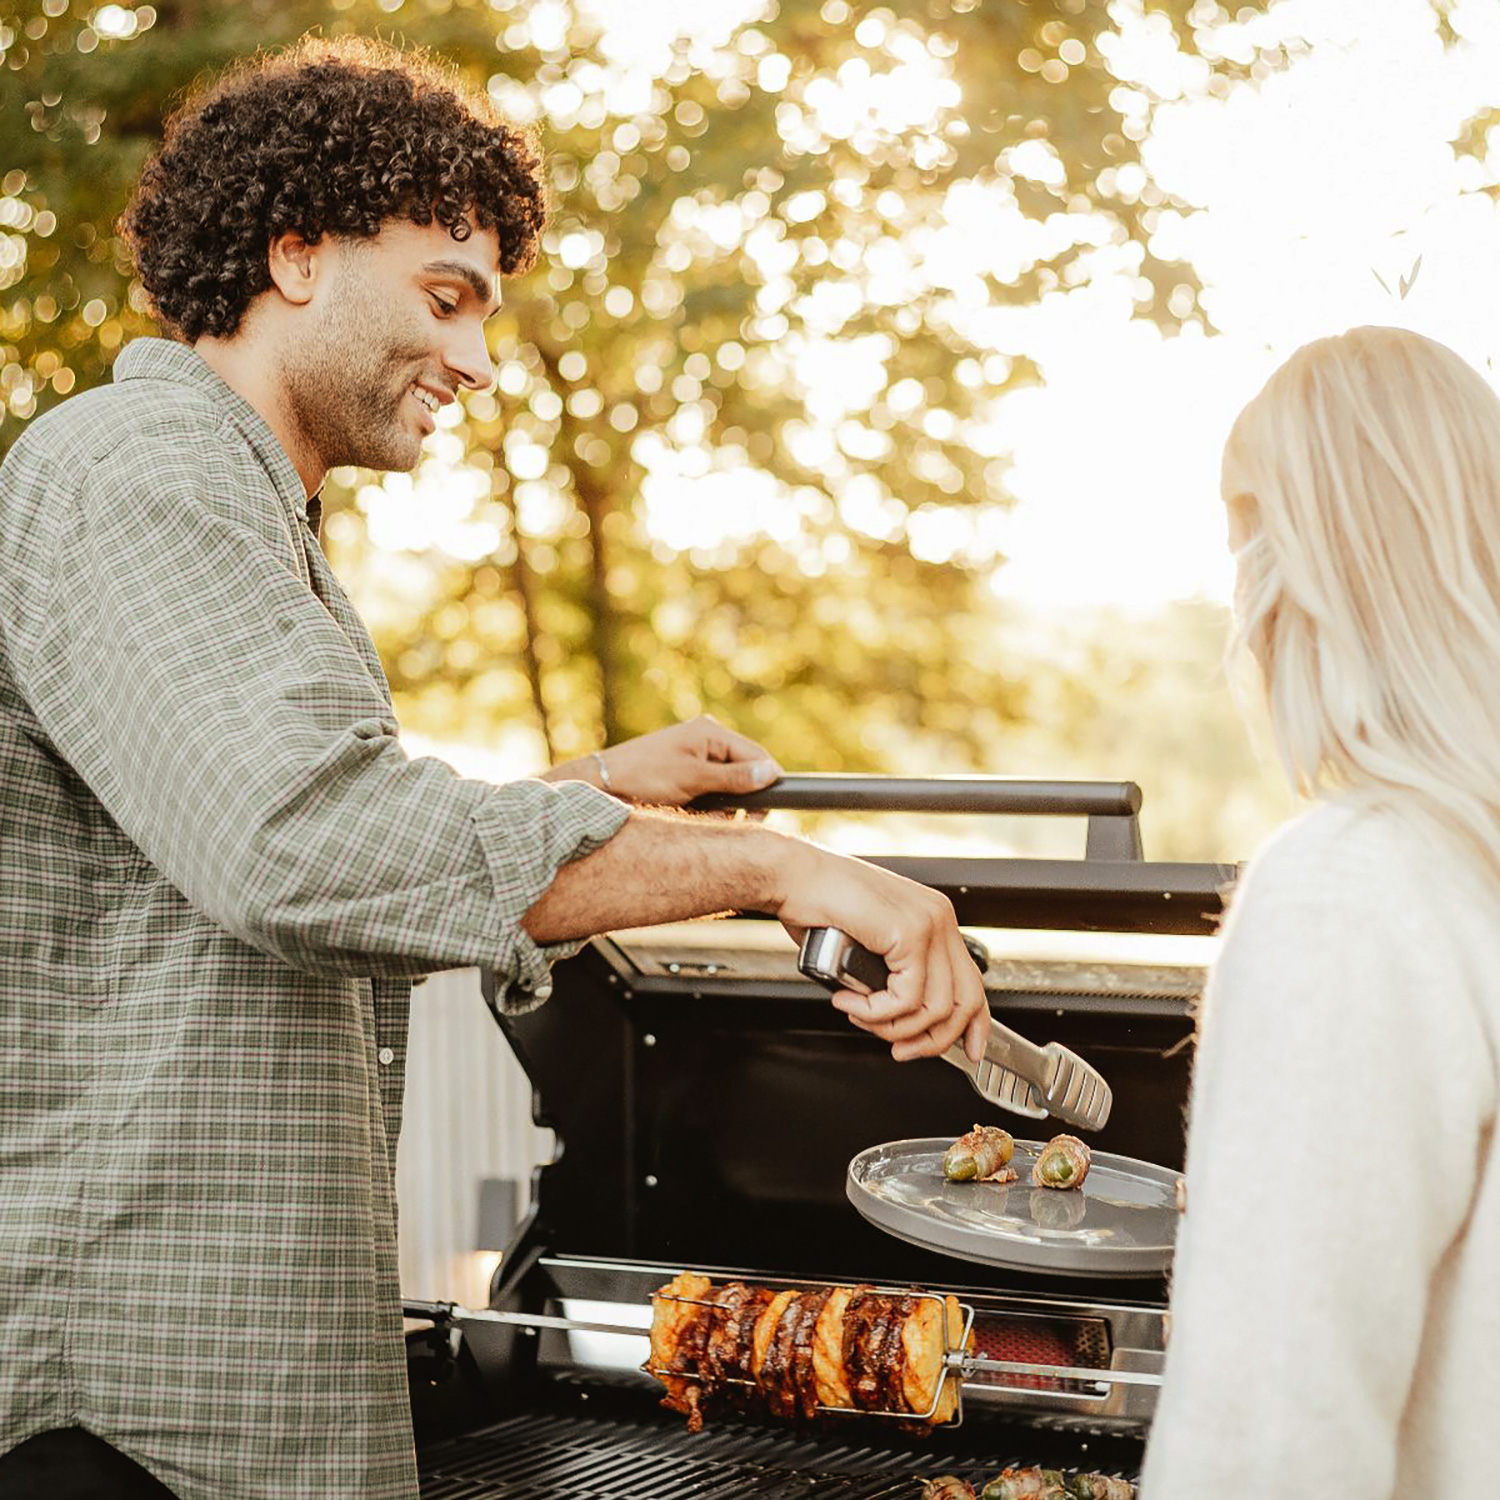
(664, 868)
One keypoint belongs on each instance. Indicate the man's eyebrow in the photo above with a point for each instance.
(466, 273)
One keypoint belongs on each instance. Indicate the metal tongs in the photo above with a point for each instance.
(1014, 1073)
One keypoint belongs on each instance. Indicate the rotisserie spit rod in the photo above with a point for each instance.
(963, 1364)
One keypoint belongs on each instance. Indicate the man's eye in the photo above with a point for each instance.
(443, 308)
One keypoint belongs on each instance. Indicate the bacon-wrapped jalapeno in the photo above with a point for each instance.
(982, 1155)
(1099, 1487)
(1026, 1484)
(1062, 1163)
(947, 1487)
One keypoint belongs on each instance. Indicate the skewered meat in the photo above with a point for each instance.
(1062, 1163)
(981, 1155)
(796, 1351)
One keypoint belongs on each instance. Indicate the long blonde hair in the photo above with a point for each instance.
(1364, 480)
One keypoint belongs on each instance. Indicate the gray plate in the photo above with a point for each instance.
(1121, 1222)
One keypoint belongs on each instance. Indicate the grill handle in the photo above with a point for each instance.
(1111, 807)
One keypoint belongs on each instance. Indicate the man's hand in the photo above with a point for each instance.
(672, 766)
(935, 994)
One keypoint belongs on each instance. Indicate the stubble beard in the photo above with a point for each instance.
(346, 383)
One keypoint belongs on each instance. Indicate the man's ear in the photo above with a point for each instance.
(296, 266)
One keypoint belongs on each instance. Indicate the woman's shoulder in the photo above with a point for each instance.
(1358, 855)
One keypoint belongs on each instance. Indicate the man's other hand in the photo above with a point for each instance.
(672, 766)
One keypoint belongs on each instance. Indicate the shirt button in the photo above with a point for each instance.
(386, 1056)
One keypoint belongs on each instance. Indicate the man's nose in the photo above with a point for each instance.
(469, 359)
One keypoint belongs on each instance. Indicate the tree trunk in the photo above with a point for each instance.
(521, 581)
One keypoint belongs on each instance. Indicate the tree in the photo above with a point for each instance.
(738, 459)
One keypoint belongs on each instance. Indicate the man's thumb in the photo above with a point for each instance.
(748, 775)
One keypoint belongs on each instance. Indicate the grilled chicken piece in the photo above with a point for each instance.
(1062, 1163)
(796, 1351)
(828, 1351)
(673, 1315)
(929, 1332)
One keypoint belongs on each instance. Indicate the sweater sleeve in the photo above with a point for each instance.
(1336, 1120)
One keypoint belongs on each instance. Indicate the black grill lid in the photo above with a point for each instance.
(706, 1115)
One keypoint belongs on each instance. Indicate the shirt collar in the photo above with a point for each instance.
(163, 359)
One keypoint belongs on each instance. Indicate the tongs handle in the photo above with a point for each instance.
(1014, 1073)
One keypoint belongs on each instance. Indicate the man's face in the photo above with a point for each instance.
(393, 332)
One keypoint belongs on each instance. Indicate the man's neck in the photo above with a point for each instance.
(249, 370)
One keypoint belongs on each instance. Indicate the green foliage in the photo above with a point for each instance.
(739, 457)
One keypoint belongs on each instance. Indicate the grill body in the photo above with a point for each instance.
(706, 1101)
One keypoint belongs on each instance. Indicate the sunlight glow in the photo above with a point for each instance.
(1296, 199)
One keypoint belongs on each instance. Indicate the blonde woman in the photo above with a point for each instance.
(1336, 1298)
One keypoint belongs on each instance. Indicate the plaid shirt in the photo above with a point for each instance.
(219, 874)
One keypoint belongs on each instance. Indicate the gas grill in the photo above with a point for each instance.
(707, 1102)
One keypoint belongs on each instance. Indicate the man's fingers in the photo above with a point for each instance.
(977, 1033)
(725, 744)
(893, 1019)
(737, 775)
(929, 1018)
(879, 1009)
(932, 1041)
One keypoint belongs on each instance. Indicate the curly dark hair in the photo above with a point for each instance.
(329, 137)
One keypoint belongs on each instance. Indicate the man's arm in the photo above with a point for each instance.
(663, 868)
(178, 662)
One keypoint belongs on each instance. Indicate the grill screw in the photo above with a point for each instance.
(649, 1040)
(674, 968)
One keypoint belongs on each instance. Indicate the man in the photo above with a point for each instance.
(221, 872)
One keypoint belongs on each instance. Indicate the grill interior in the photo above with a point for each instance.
(706, 1100)
(596, 1444)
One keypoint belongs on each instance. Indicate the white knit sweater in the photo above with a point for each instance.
(1336, 1298)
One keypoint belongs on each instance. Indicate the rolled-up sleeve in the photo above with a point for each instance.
(187, 672)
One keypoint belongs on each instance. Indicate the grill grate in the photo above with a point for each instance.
(602, 1455)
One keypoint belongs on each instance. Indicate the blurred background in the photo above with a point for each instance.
(870, 392)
